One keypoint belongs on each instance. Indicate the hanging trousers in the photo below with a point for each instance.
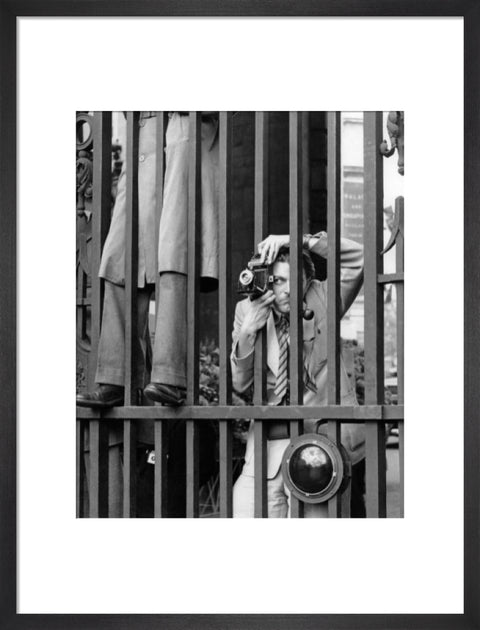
(169, 348)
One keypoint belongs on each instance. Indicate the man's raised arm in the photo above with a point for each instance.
(351, 264)
(250, 317)
(351, 259)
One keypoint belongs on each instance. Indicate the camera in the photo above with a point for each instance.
(256, 279)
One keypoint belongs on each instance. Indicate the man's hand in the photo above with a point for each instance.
(257, 314)
(269, 247)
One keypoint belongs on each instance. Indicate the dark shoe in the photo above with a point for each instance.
(166, 394)
(102, 397)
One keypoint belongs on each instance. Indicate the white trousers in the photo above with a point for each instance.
(278, 499)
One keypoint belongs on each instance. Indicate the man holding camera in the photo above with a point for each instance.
(271, 311)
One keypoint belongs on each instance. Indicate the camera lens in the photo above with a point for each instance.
(246, 277)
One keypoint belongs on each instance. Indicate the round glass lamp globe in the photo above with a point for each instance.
(311, 469)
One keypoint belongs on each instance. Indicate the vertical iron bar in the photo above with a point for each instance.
(129, 469)
(259, 396)
(225, 311)
(225, 448)
(193, 266)
(160, 473)
(296, 506)
(131, 257)
(399, 254)
(194, 227)
(296, 277)
(160, 430)
(131, 281)
(101, 206)
(260, 459)
(161, 131)
(192, 438)
(102, 155)
(98, 478)
(296, 266)
(374, 368)
(335, 503)
(333, 263)
(80, 476)
(81, 316)
(306, 171)
(334, 191)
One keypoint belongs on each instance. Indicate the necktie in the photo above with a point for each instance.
(281, 385)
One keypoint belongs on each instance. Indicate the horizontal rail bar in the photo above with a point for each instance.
(390, 278)
(359, 413)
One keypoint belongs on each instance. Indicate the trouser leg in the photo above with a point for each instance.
(170, 346)
(111, 347)
(278, 497)
(244, 497)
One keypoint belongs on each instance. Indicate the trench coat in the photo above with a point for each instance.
(172, 246)
(314, 357)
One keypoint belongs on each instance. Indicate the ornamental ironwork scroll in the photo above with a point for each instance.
(84, 209)
(396, 225)
(84, 176)
(84, 130)
(395, 128)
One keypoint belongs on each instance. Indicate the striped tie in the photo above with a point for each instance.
(282, 374)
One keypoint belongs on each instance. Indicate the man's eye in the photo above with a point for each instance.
(277, 281)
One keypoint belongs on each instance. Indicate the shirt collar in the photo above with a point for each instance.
(278, 318)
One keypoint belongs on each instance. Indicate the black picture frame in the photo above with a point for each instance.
(9, 11)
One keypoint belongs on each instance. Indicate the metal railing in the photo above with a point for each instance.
(93, 425)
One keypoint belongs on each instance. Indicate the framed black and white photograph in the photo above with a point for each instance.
(241, 285)
(270, 182)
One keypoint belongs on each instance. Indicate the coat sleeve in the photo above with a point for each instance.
(351, 265)
(242, 367)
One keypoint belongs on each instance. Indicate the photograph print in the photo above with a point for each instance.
(240, 314)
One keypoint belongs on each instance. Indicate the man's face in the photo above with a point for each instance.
(281, 286)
